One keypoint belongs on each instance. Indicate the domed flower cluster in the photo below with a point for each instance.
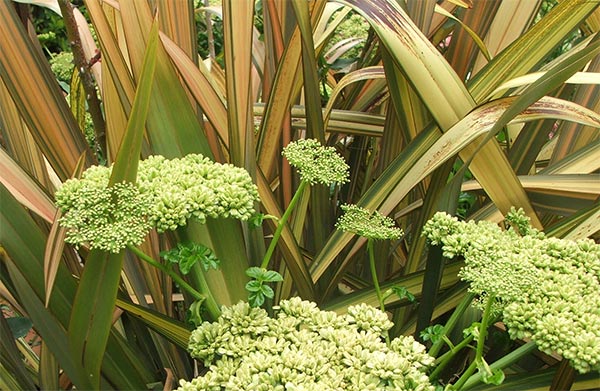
(304, 348)
(371, 225)
(167, 193)
(546, 289)
(316, 163)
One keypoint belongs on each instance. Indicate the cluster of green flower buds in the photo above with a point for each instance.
(546, 289)
(304, 348)
(316, 163)
(166, 194)
(371, 225)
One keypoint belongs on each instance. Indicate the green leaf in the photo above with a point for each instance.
(194, 314)
(186, 255)
(91, 318)
(472, 330)
(254, 286)
(403, 293)
(267, 291)
(271, 276)
(256, 299)
(255, 272)
(432, 333)
(496, 378)
(168, 327)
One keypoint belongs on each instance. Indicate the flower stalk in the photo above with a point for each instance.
(281, 224)
(170, 272)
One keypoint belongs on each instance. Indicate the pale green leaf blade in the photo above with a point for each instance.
(164, 325)
(238, 23)
(204, 89)
(530, 48)
(445, 96)
(91, 318)
(24, 189)
(368, 73)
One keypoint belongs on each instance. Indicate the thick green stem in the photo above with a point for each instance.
(281, 224)
(452, 321)
(180, 281)
(447, 357)
(502, 363)
(480, 344)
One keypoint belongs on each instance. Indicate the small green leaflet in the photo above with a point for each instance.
(187, 254)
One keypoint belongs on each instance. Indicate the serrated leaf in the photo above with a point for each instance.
(253, 286)
(432, 333)
(402, 293)
(186, 263)
(271, 276)
(267, 291)
(256, 299)
(255, 272)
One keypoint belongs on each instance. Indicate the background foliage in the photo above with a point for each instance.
(429, 114)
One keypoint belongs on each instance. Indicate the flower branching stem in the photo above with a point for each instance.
(483, 327)
(502, 363)
(180, 281)
(452, 321)
(281, 224)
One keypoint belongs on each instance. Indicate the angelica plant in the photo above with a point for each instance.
(373, 226)
(167, 193)
(304, 348)
(316, 164)
(545, 289)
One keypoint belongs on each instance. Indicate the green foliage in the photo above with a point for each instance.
(402, 293)
(488, 376)
(304, 348)
(62, 66)
(354, 26)
(186, 255)
(392, 108)
(19, 326)
(258, 287)
(432, 333)
(50, 29)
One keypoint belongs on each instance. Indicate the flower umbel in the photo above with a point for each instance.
(166, 195)
(107, 218)
(371, 225)
(546, 289)
(304, 348)
(316, 163)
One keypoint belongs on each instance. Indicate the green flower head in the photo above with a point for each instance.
(316, 163)
(371, 225)
(166, 195)
(545, 289)
(304, 348)
(105, 218)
